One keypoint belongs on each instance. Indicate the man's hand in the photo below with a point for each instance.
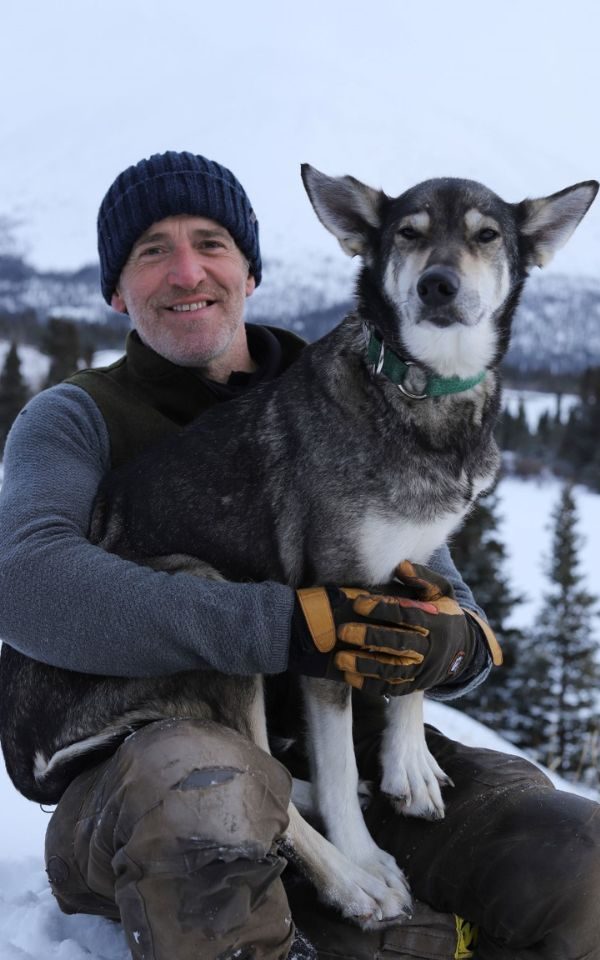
(413, 636)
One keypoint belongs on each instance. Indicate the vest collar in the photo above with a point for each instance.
(181, 393)
(384, 360)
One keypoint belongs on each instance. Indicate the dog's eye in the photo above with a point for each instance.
(409, 233)
(487, 235)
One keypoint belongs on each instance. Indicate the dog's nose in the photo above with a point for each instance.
(438, 286)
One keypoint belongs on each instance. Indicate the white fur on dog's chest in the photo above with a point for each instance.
(384, 542)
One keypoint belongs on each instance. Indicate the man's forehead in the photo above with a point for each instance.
(183, 223)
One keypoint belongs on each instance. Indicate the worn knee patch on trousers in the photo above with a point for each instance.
(178, 830)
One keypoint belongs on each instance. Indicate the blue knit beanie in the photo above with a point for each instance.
(165, 185)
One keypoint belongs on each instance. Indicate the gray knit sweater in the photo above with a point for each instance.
(68, 603)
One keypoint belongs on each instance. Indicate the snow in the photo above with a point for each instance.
(33, 928)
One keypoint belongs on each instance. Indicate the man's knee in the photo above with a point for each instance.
(199, 779)
(172, 787)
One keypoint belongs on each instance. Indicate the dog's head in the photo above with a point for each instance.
(444, 263)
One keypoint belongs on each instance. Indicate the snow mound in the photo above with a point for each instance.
(33, 928)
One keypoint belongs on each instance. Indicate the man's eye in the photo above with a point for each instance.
(487, 235)
(212, 245)
(409, 233)
(151, 251)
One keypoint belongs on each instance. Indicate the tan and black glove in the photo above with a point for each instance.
(413, 636)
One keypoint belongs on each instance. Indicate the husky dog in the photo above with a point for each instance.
(369, 449)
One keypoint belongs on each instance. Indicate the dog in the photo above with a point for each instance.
(352, 460)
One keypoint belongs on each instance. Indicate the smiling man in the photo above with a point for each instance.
(157, 288)
(183, 279)
(172, 824)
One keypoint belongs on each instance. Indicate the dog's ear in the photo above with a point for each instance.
(345, 206)
(548, 222)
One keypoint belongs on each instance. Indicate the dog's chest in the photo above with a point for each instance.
(385, 541)
(385, 536)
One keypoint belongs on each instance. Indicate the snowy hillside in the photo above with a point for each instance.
(556, 327)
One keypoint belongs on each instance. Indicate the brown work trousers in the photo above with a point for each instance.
(176, 837)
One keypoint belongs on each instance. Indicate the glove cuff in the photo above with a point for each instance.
(303, 657)
(489, 635)
(316, 607)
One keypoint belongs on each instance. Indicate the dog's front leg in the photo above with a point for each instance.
(335, 779)
(412, 778)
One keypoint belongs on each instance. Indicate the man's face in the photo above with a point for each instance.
(184, 287)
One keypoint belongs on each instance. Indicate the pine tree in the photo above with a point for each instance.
(579, 450)
(480, 555)
(61, 343)
(512, 432)
(567, 700)
(521, 427)
(14, 392)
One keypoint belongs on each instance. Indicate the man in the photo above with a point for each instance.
(174, 829)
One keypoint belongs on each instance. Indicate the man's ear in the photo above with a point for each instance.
(346, 207)
(547, 223)
(117, 302)
(250, 285)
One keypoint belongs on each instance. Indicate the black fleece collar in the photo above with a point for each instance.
(183, 392)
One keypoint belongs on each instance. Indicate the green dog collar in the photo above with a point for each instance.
(384, 360)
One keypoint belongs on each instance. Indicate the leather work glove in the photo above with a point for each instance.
(412, 637)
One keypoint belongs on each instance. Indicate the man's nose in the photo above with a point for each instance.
(186, 268)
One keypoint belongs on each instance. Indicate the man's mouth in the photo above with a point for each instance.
(187, 307)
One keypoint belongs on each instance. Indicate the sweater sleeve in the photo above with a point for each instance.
(68, 603)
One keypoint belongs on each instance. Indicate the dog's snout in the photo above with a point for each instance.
(438, 286)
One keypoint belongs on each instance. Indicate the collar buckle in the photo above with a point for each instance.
(378, 365)
(407, 393)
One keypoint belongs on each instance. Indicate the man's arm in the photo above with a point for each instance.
(69, 603)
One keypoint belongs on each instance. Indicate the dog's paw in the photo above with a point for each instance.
(382, 865)
(414, 788)
(370, 902)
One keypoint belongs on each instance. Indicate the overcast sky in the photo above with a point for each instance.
(389, 90)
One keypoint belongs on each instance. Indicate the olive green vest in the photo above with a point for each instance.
(143, 397)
